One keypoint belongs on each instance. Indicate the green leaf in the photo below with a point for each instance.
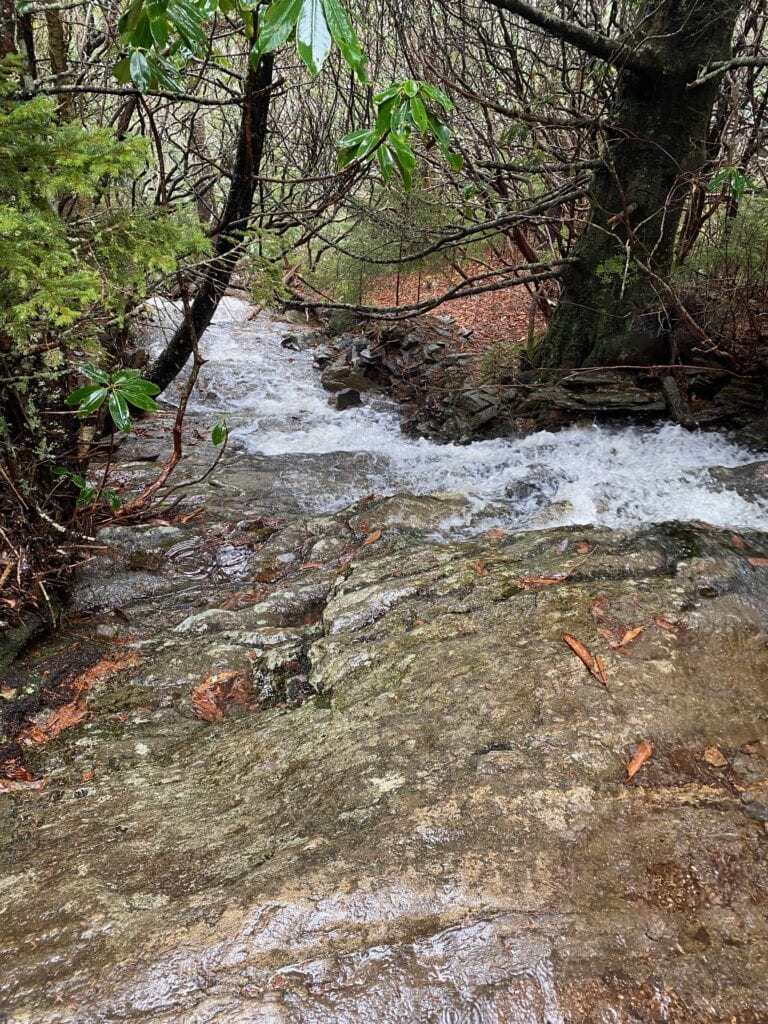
(219, 433)
(139, 399)
(386, 161)
(141, 73)
(85, 496)
(455, 161)
(345, 38)
(122, 71)
(441, 132)
(436, 95)
(384, 117)
(404, 157)
(114, 499)
(277, 24)
(92, 403)
(118, 410)
(77, 479)
(81, 394)
(313, 38)
(419, 115)
(93, 372)
(410, 88)
(353, 138)
(160, 32)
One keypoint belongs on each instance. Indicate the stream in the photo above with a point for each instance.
(605, 476)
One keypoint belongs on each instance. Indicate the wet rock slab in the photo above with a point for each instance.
(442, 831)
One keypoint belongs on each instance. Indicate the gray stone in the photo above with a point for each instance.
(347, 398)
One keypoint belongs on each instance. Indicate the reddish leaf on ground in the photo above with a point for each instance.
(496, 533)
(594, 665)
(641, 755)
(480, 567)
(630, 635)
(212, 698)
(307, 566)
(372, 538)
(761, 562)
(543, 581)
(738, 542)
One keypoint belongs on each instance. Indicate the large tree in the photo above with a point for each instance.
(614, 293)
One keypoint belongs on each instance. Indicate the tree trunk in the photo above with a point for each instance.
(232, 226)
(613, 307)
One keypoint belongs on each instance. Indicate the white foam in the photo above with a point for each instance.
(608, 476)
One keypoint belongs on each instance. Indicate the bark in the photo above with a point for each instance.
(231, 228)
(612, 309)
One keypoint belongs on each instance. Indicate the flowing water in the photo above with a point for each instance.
(608, 476)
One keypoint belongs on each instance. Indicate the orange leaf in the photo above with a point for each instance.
(496, 533)
(310, 565)
(88, 774)
(582, 548)
(62, 718)
(738, 542)
(215, 694)
(762, 562)
(595, 666)
(641, 755)
(543, 581)
(630, 635)
(600, 673)
(480, 568)
(372, 538)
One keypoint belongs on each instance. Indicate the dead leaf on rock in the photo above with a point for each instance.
(715, 757)
(212, 698)
(496, 533)
(15, 785)
(582, 548)
(630, 635)
(372, 538)
(480, 567)
(543, 581)
(641, 755)
(738, 542)
(62, 718)
(594, 665)
(760, 562)
(677, 627)
(308, 566)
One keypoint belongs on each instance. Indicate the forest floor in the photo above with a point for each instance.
(493, 317)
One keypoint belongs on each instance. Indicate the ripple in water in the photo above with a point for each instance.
(615, 477)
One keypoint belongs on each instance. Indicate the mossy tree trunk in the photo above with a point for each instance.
(614, 304)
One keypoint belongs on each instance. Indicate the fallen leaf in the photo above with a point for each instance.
(62, 718)
(215, 694)
(601, 673)
(679, 628)
(13, 769)
(310, 565)
(595, 666)
(13, 785)
(543, 581)
(715, 757)
(582, 548)
(667, 624)
(372, 538)
(480, 568)
(762, 562)
(88, 774)
(738, 542)
(630, 635)
(641, 755)
(496, 533)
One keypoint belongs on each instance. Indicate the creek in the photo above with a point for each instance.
(601, 475)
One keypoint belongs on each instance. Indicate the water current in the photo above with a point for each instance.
(605, 475)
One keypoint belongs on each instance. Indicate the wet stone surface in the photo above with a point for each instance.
(433, 825)
(308, 758)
